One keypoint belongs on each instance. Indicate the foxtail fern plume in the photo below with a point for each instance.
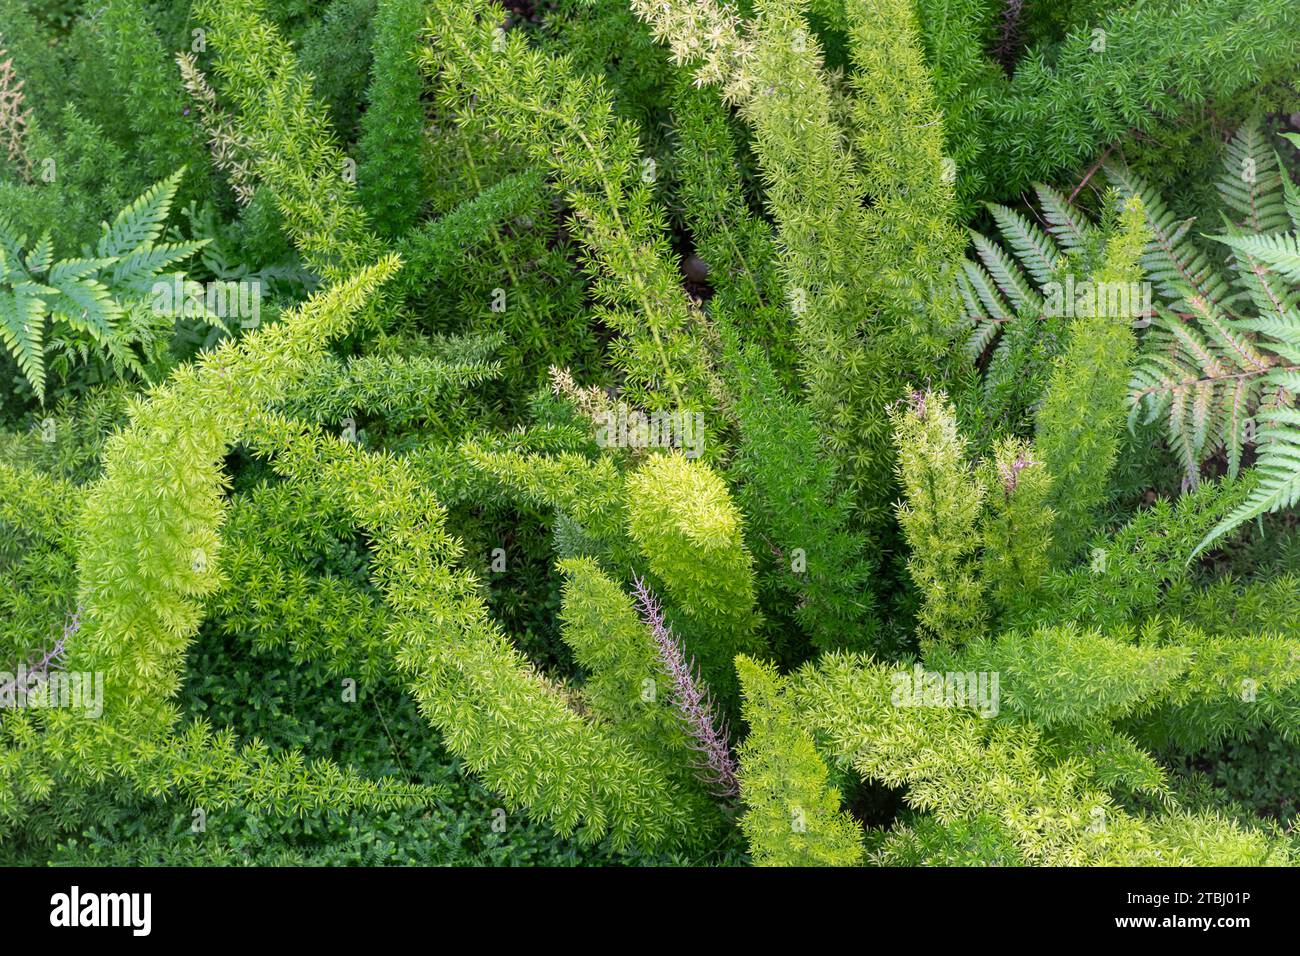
(793, 815)
(1016, 529)
(693, 702)
(939, 514)
(567, 123)
(1083, 407)
(389, 173)
(231, 151)
(295, 153)
(689, 531)
(867, 287)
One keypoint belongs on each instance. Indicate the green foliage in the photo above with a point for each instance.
(537, 753)
(587, 493)
(737, 247)
(389, 171)
(1124, 574)
(162, 610)
(1217, 366)
(358, 577)
(495, 265)
(108, 301)
(138, 608)
(793, 815)
(338, 52)
(627, 685)
(295, 153)
(1063, 676)
(1208, 377)
(685, 524)
(855, 277)
(1000, 296)
(939, 515)
(127, 74)
(1127, 70)
(958, 770)
(277, 544)
(797, 514)
(1016, 531)
(565, 121)
(1082, 412)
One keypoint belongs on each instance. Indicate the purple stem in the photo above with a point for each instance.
(1011, 475)
(51, 658)
(694, 705)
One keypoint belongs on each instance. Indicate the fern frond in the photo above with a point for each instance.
(1068, 225)
(1033, 247)
(138, 269)
(1291, 196)
(22, 326)
(1279, 252)
(86, 305)
(1267, 291)
(142, 221)
(986, 290)
(41, 255)
(1251, 183)
(1007, 274)
(1180, 270)
(1278, 468)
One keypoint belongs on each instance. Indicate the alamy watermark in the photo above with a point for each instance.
(45, 684)
(918, 687)
(626, 427)
(130, 910)
(35, 689)
(1130, 300)
(230, 299)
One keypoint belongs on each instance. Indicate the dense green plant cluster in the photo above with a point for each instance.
(606, 432)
